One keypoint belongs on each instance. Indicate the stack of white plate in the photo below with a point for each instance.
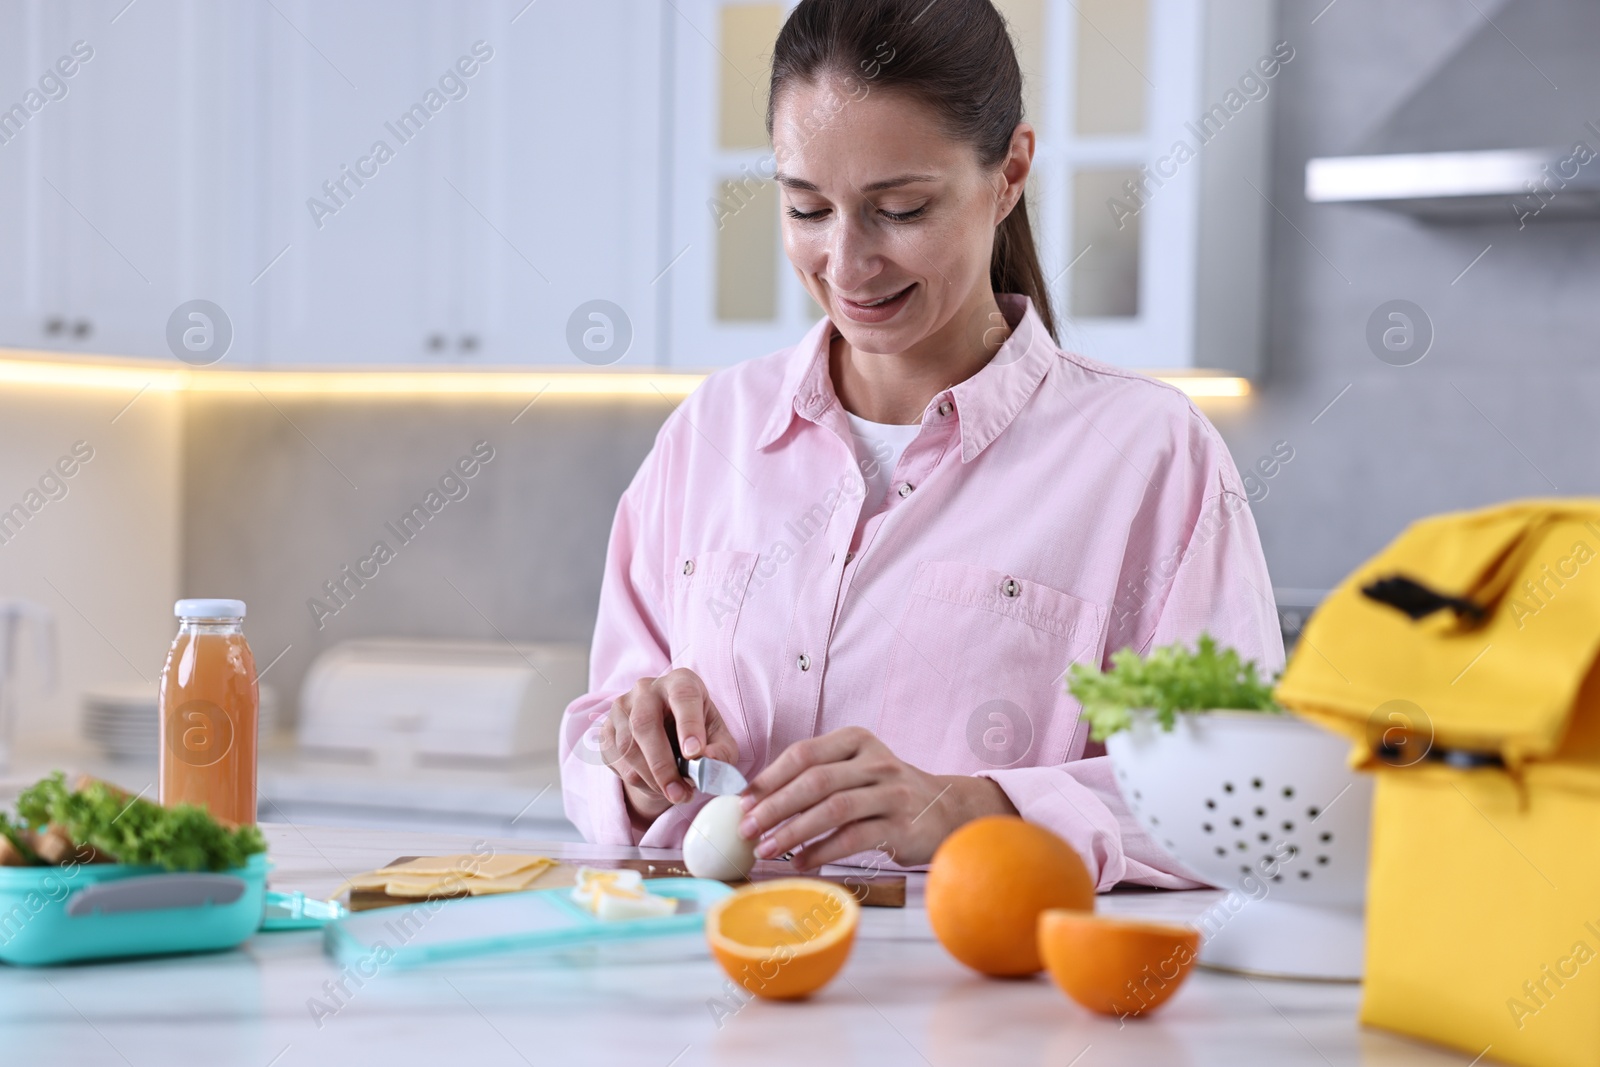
(124, 721)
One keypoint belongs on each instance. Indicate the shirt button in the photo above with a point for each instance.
(688, 566)
(804, 662)
(905, 489)
(946, 408)
(1010, 588)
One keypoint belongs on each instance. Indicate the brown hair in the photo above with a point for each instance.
(954, 56)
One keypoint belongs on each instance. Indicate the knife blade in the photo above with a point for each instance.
(708, 775)
(714, 776)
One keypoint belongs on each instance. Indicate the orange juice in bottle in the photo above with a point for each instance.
(209, 702)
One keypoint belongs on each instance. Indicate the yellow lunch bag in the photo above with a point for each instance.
(1461, 660)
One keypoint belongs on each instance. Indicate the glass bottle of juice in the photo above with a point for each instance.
(209, 703)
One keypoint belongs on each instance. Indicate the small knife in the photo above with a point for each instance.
(708, 775)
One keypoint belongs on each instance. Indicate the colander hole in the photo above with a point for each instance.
(1169, 844)
(1325, 838)
(1277, 878)
(1244, 868)
(1138, 795)
(1322, 861)
(1313, 812)
(1211, 803)
(1261, 813)
(1206, 827)
(1288, 827)
(1237, 821)
(1288, 792)
(1241, 846)
(1264, 836)
(1255, 783)
(1304, 875)
(1294, 850)
(1221, 851)
(1227, 787)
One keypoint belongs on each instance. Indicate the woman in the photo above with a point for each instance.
(858, 568)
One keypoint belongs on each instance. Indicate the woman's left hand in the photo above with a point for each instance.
(850, 792)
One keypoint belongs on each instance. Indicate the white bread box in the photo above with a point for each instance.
(401, 703)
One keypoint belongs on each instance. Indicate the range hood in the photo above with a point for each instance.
(1507, 129)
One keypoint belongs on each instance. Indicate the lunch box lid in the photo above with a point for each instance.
(1472, 637)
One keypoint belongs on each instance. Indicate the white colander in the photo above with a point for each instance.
(1266, 807)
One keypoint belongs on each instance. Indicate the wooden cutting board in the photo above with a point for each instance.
(871, 889)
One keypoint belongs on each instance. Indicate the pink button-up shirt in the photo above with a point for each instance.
(1051, 510)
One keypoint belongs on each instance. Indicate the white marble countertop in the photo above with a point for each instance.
(900, 1000)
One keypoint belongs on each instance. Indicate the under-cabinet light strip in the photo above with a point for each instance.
(30, 369)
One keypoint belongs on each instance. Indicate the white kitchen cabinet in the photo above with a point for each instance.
(501, 200)
(25, 228)
(556, 195)
(733, 293)
(128, 193)
(1172, 274)
(354, 200)
(1172, 279)
(599, 151)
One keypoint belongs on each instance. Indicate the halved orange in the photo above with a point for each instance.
(783, 939)
(1116, 966)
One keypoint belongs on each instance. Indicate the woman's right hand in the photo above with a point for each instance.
(634, 738)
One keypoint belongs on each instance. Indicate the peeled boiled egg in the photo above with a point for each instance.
(713, 848)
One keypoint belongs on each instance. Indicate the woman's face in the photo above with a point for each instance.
(879, 202)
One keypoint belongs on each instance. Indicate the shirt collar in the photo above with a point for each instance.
(985, 403)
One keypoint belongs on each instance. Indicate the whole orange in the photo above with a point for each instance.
(987, 885)
(783, 939)
(1116, 966)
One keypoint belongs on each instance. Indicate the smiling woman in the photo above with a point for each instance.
(974, 500)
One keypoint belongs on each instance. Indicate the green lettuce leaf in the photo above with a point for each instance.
(1168, 680)
(137, 831)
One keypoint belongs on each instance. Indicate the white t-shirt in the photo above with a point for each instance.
(878, 448)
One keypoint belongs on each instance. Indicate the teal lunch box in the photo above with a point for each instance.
(102, 910)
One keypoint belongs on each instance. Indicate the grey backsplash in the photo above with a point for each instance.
(281, 496)
(1504, 405)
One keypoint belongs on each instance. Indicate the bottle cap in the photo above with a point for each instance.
(209, 609)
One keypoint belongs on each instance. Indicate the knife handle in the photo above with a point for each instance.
(677, 750)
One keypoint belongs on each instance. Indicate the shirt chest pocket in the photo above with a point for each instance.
(975, 672)
(706, 595)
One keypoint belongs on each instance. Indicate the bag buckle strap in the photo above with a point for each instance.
(1417, 601)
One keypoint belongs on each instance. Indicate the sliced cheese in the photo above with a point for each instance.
(462, 863)
(447, 885)
(501, 866)
(442, 876)
(510, 883)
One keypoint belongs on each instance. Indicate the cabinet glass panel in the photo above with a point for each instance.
(747, 251)
(1113, 46)
(1025, 20)
(748, 31)
(1105, 281)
